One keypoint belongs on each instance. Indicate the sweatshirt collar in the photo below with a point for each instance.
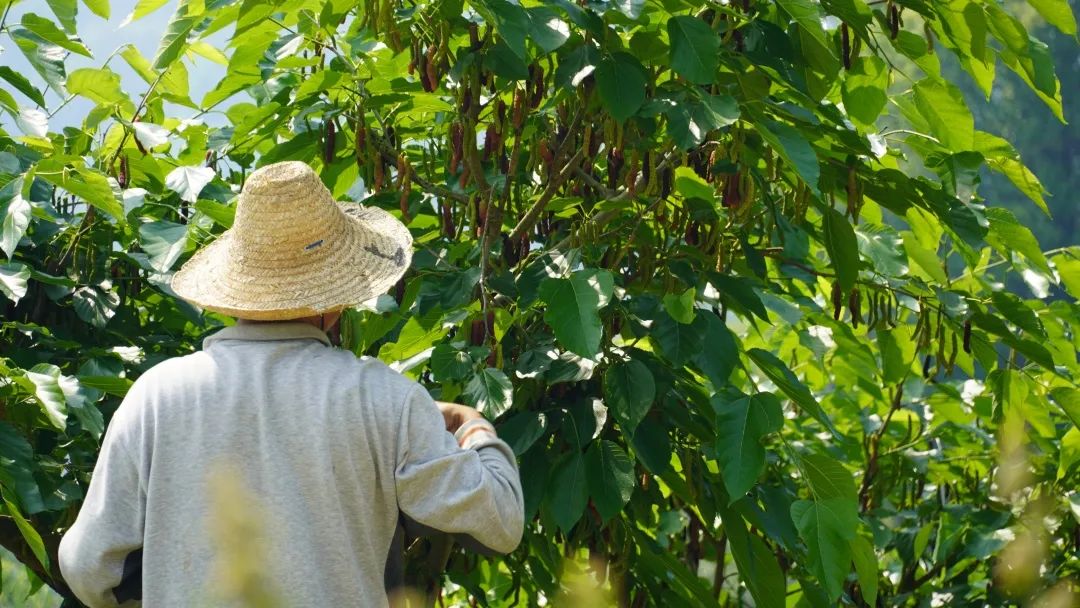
(263, 331)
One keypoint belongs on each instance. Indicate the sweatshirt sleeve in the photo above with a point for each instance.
(100, 556)
(473, 491)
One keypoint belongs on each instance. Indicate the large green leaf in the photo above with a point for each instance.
(45, 57)
(719, 354)
(793, 148)
(568, 492)
(13, 280)
(866, 568)
(17, 456)
(48, 31)
(573, 306)
(943, 107)
(757, 564)
(864, 90)
(100, 86)
(843, 248)
(15, 216)
(65, 11)
(29, 534)
(691, 121)
(142, 9)
(787, 382)
(188, 182)
(827, 527)
(883, 247)
(740, 427)
(620, 81)
(23, 85)
(610, 475)
(694, 48)
(629, 392)
(91, 186)
(1057, 13)
(175, 38)
(47, 391)
(164, 242)
(490, 392)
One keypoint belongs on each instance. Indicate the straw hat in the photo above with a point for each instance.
(294, 252)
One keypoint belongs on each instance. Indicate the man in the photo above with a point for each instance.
(332, 450)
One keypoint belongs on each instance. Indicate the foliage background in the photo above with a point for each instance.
(666, 357)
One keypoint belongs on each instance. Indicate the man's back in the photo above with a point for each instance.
(327, 446)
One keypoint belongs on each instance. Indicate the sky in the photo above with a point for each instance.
(103, 37)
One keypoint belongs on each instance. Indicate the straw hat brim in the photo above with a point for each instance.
(369, 254)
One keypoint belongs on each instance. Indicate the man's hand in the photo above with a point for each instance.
(456, 414)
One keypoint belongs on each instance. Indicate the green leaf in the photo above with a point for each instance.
(142, 9)
(943, 107)
(678, 341)
(490, 392)
(573, 307)
(691, 121)
(629, 392)
(22, 85)
(808, 15)
(175, 38)
(48, 31)
(16, 219)
(925, 259)
(827, 527)
(504, 62)
(620, 81)
(897, 353)
(884, 248)
(1008, 235)
(787, 382)
(864, 90)
(222, 214)
(90, 185)
(568, 492)
(546, 29)
(1057, 13)
(719, 354)
(47, 391)
(100, 86)
(794, 149)
(1018, 313)
(740, 427)
(45, 57)
(98, 7)
(695, 49)
(757, 564)
(29, 534)
(13, 278)
(681, 306)
(828, 479)
(33, 122)
(1068, 399)
(65, 11)
(113, 385)
(522, 430)
(610, 475)
(842, 246)
(449, 363)
(690, 185)
(164, 242)
(18, 471)
(95, 306)
(866, 569)
(188, 182)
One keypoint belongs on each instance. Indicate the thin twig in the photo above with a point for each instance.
(533, 214)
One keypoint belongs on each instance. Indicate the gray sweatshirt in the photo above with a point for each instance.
(327, 452)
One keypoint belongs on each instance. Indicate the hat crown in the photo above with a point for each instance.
(284, 202)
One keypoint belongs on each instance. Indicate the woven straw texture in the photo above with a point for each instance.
(294, 252)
